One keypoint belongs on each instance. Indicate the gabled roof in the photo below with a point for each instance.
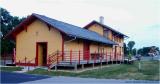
(105, 26)
(72, 30)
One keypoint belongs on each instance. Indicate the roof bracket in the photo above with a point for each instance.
(25, 27)
(49, 27)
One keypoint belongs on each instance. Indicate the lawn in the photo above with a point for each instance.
(149, 71)
(11, 69)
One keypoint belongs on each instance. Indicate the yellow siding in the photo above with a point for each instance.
(40, 56)
(110, 36)
(36, 32)
(120, 40)
(96, 28)
(75, 46)
(93, 47)
(104, 48)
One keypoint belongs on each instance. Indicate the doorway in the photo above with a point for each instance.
(42, 53)
(86, 51)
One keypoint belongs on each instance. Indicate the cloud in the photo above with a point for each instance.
(136, 18)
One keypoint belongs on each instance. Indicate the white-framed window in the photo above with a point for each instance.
(106, 33)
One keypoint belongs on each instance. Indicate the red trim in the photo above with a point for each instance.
(62, 46)
(57, 58)
(25, 64)
(26, 22)
(19, 27)
(101, 55)
(106, 56)
(86, 50)
(25, 27)
(46, 53)
(14, 55)
(110, 55)
(70, 56)
(115, 53)
(36, 60)
(95, 56)
(79, 57)
(120, 53)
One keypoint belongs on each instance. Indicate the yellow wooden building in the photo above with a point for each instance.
(43, 41)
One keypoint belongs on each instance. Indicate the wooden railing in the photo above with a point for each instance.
(7, 57)
(54, 58)
(27, 62)
(78, 56)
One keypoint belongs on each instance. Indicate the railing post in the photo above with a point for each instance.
(25, 60)
(48, 63)
(95, 57)
(110, 56)
(79, 57)
(57, 58)
(4, 58)
(120, 56)
(49, 60)
(34, 61)
(70, 56)
(117, 57)
(106, 57)
(14, 53)
(88, 56)
(101, 56)
(62, 55)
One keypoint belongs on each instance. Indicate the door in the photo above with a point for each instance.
(115, 54)
(42, 53)
(86, 51)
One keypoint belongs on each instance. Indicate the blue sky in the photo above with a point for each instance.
(139, 19)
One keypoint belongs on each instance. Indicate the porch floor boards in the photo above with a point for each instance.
(83, 62)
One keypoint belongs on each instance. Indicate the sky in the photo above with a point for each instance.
(138, 19)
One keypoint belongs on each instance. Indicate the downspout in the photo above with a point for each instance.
(70, 40)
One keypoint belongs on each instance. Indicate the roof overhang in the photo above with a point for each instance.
(105, 26)
(12, 34)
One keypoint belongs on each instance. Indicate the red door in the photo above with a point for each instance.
(86, 51)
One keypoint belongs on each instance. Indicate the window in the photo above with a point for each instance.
(106, 33)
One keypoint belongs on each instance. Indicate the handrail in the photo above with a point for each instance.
(31, 60)
(77, 56)
(23, 60)
(53, 58)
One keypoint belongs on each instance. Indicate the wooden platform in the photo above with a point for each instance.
(75, 64)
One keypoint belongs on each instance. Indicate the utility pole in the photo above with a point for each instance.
(139, 62)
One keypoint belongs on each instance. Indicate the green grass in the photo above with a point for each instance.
(149, 71)
(11, 69)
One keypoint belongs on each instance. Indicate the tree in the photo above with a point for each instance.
(130, 46)
(146, 50)
(8, 23)
(140, 51)
(134, 51)
(125, 49)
